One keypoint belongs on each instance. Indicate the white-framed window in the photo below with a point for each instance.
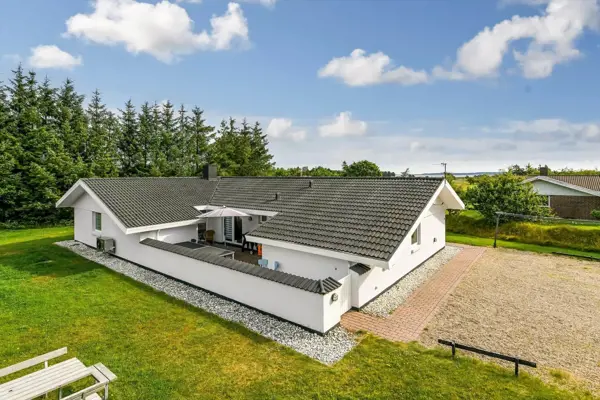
(263, 218)
(415, 239)
(97, 221)
(546, 200)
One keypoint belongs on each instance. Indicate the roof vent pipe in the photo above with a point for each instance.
(310, 183)
(277, 196)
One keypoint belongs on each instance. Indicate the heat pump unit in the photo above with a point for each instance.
(106, 245)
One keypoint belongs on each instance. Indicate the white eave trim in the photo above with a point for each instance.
(94, 197)
(549, 179)
(148, 228)
(319, 251)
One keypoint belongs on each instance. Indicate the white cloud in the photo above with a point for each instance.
(552, 37)
(552, 40)
(164, 30)
(360, 69)
(281, 128)
(343, 125)
(52, 57)
(553, 128)
(189, 1)
(266, 3)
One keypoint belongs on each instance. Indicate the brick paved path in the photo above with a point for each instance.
(408, 321)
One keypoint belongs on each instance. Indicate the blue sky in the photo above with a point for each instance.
(407, 84)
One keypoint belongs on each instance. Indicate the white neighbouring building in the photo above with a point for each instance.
(328, 244)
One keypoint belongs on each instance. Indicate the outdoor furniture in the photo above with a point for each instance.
(209, 236)
(53, 378)
(251, 246)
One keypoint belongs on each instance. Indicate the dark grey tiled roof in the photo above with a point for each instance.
(310, 285)
(152, 201)
(360, 269)
(364, 216)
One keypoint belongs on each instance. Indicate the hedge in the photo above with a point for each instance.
(579, 237)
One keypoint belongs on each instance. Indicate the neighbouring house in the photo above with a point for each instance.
(570, 196)
(328, 244)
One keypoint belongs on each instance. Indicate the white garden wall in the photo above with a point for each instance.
(312, 310)
(367, 286)
(178, 235)
(305, 264)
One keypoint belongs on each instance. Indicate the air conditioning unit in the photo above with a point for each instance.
(106, 245)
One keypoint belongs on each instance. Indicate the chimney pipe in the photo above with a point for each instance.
(544, 170)
(209, 172)
(310, 183)
(277, 196)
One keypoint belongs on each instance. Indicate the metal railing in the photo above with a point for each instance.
(515, 360)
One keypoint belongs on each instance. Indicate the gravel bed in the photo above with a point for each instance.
(328, 349)
(385, 304)
(543, 308)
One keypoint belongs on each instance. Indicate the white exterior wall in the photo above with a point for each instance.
(367, 286)
(551, 189)
(308, 309)
(84, 225)
(305, 264)
(178, 235)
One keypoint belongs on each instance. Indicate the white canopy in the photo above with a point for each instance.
(223, 212)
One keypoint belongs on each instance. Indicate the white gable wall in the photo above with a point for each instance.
(551, 189)
(84, 208)
(305, 264)
(369, 285)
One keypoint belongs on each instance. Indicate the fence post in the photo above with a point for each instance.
(496, 232)
(453, 349)
(516, 366)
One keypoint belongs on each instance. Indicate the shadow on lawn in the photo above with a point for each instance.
(42, 258)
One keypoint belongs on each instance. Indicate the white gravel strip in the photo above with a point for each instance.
(385, 304)
(328, 349)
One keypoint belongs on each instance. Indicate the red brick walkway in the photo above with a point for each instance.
(408, 321)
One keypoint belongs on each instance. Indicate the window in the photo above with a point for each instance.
(263, 218)
(415, 239)
(97, 221)
(546, 200)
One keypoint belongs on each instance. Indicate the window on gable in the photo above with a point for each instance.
(97, 221)
(263, 218)
(415, 239)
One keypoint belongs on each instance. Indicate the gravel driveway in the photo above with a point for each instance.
(543, 308)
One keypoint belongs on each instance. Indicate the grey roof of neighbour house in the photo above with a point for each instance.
(591, 182)
(152, 201)
(363, 216)
(322, 286)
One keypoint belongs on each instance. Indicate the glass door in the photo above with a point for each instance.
(228, 228)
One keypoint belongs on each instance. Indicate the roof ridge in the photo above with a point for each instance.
(433, 178)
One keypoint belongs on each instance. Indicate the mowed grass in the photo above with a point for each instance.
(479, 241)
(161, 348)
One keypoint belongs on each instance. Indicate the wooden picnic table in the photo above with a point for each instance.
(54, 378)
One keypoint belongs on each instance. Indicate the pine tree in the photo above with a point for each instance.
(243, 150)
(100, 147)
(129, 142)
(201, 136)
(223, 150)
(159, 159)
(9, 181)
(147, 137)
(179, 150)
(260, 158)
(72, 122)
(167, 133)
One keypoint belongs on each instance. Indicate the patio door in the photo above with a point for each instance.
(232, 229)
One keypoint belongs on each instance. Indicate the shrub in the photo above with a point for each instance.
(504, 192)
(596, 214)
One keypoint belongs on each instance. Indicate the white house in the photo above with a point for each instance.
(329, 244)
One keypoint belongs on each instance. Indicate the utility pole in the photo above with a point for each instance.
(444, 164)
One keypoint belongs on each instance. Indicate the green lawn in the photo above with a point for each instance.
(479, 241)
(161, 348)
